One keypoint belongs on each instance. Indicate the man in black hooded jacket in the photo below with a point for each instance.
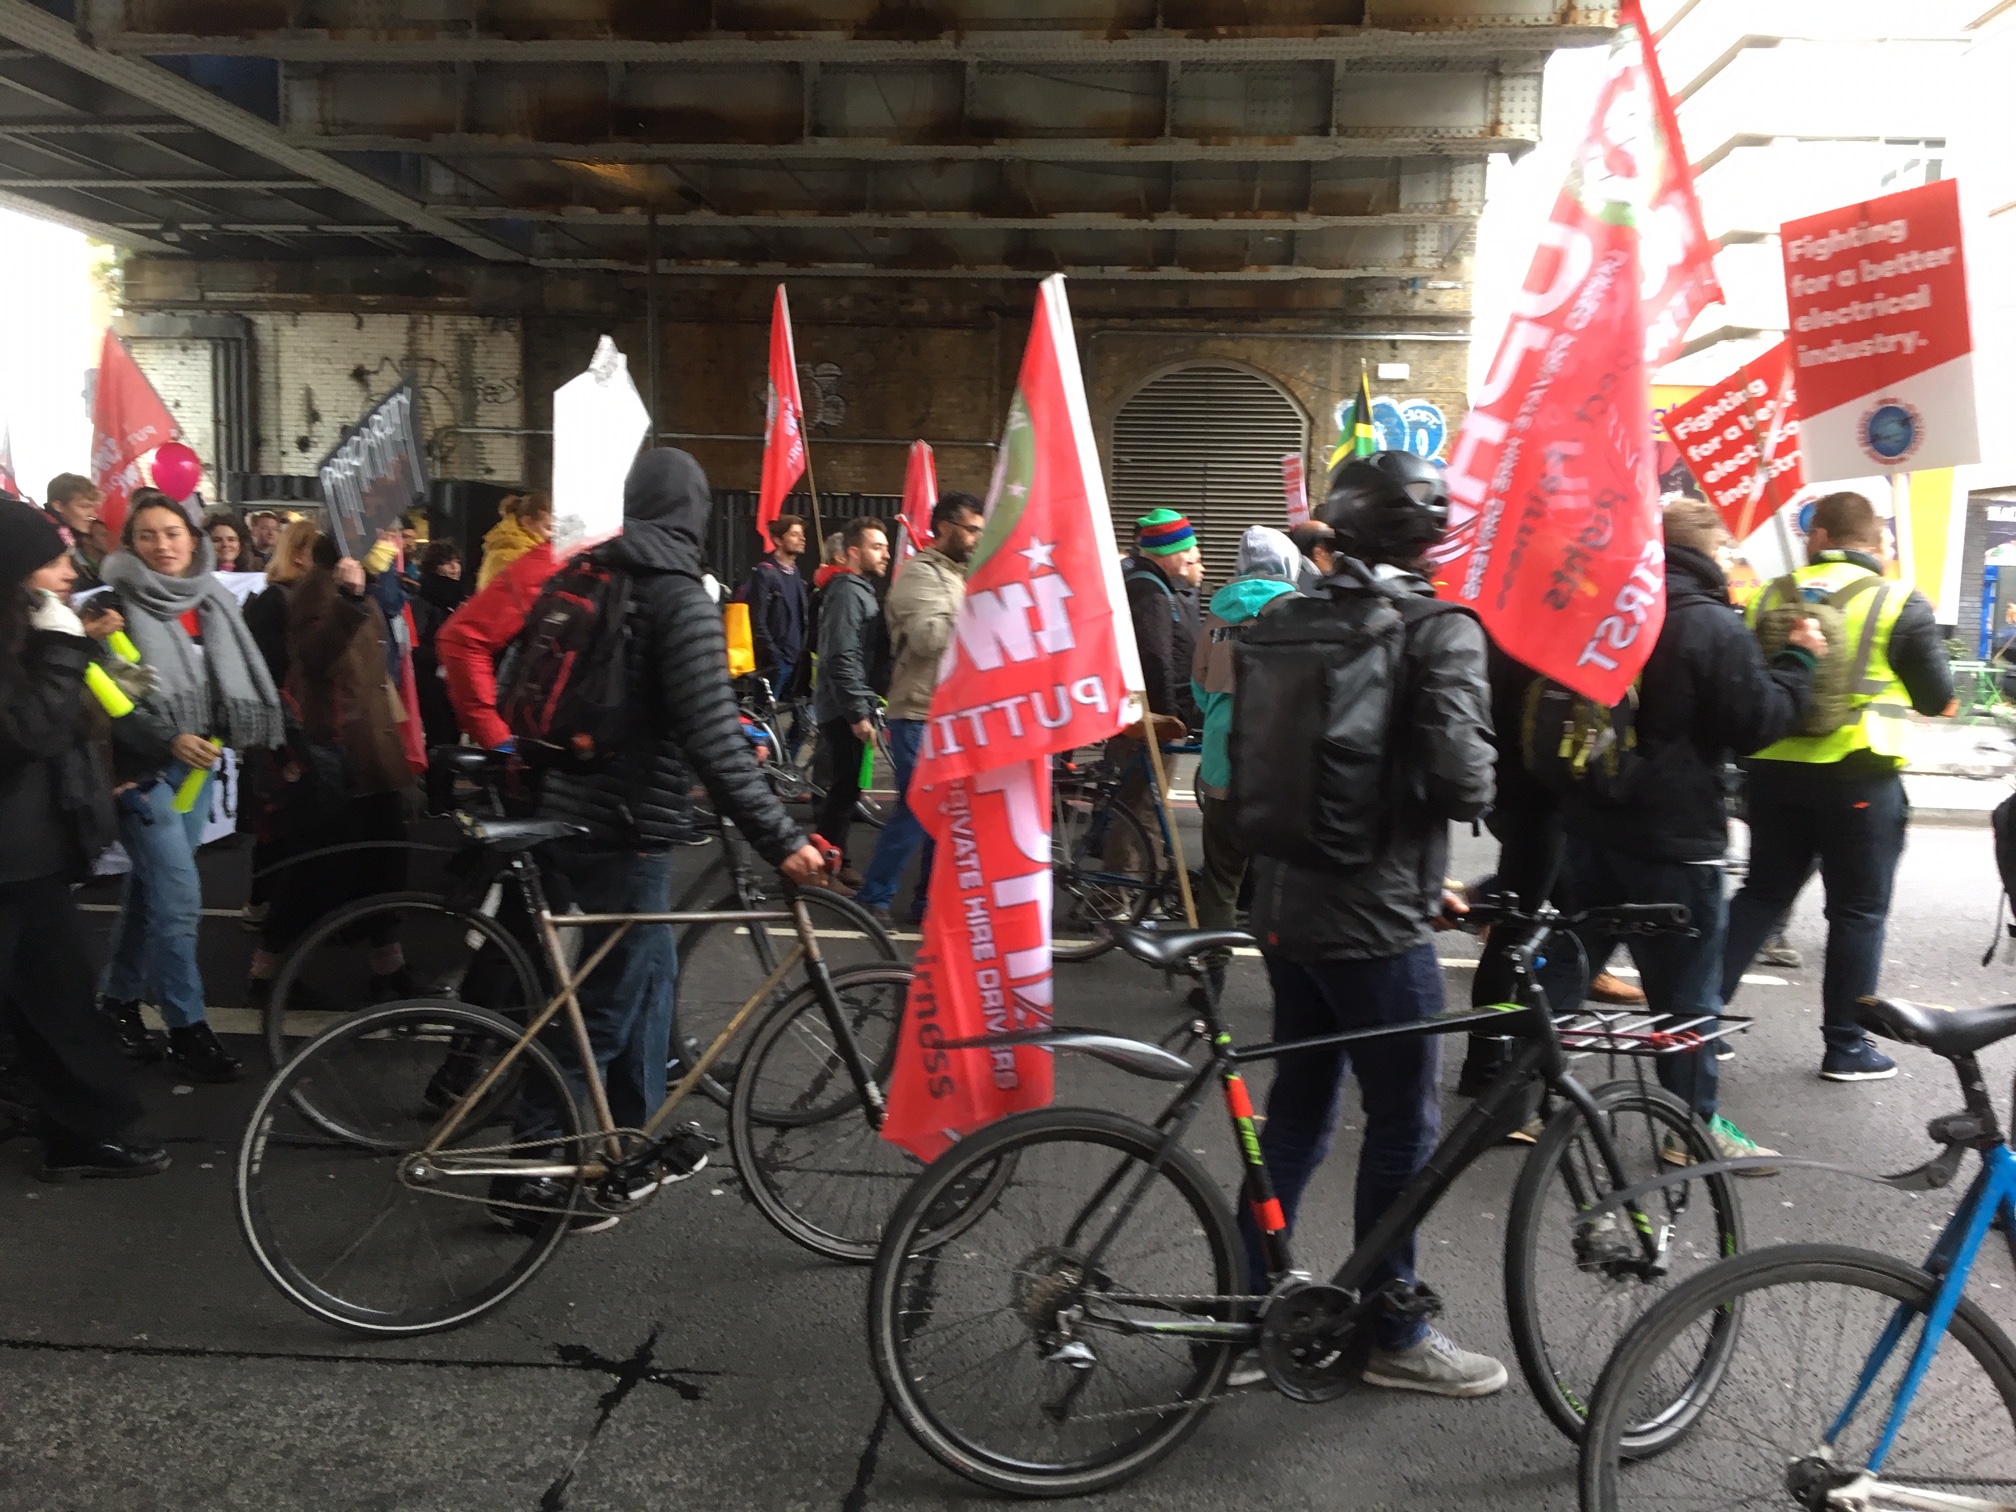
(638, 805)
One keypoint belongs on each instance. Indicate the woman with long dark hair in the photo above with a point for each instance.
(218, 692)
(56, 812)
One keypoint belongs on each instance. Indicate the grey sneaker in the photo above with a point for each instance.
(1775, 952)
(1246, 1371)
(1730, 1142)
(1437, 1366)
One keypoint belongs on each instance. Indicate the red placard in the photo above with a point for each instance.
(1741, 441)
(1295, 485)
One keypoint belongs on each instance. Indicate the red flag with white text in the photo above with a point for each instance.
(128, 421)
(784, 420)
(1042, 660)
(1554, 505)
(920, 493)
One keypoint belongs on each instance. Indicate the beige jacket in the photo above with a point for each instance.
(920, 612)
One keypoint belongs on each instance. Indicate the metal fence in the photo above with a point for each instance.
(733, 544)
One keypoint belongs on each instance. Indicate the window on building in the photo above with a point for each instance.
(1207, 439)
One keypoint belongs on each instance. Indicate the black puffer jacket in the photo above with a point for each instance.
(1706, 693)
(1444, 728)
(677, 680)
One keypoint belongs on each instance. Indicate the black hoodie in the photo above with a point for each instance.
(1706, 693)
(686, 725)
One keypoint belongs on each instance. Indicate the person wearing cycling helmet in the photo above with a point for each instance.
(1350, 948)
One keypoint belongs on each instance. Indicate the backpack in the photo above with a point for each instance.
(1575, 746)
(1317, 694)
(1836, 675)
(561, 689)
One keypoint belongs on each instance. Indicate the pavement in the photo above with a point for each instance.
(692, 1357)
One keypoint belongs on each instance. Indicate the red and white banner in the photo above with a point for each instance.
(8, 481)
(1042, 660)
(1554, 508)
(1295, 485)
(128, 421)
(1882, 348)
(1741, 441)
(920, 494)
(784, 420)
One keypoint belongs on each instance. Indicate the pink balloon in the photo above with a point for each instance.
(177, 470)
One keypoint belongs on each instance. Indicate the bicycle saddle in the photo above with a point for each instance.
(1175, 949)
(1943, 1031)
(509, 836)
(463, 761)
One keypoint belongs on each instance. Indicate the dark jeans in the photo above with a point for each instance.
(903, 833)
(1397, 1078)
(627, 1001)
(1855, 832)
(1679, 974)
(67, 1050)
(842, 749)
(1224, 865)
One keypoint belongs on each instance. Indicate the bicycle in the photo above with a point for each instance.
(1105, 866)
(793, 760)
(469, 943)
(367, 1176)
(1081, 1327)
(1837, 1395)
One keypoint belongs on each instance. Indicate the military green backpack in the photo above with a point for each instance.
(1837, 674)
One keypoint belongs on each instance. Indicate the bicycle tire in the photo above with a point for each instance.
(904, 1295)
(1739, 1287)
(288, 1206)
(1082, 902)
(1564, 1161)
(701, 1015)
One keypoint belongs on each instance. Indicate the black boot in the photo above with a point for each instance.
(65, 1157)
(136, 1040)
(197, 1054)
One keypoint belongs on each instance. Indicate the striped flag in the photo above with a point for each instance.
(1358, 439)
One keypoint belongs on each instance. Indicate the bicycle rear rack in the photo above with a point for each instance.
(1634, 1031)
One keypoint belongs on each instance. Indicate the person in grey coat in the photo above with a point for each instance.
(1351, 949)
(845, 699)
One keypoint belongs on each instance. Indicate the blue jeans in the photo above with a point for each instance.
(1397, 1078)
(1855, 832)
(153, 955)
(627, 1000)
(902, 832)
(1681, 976)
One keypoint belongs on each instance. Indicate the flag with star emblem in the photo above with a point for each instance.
(1042, 659)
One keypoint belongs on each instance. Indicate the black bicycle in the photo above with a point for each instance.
(1080, 1327)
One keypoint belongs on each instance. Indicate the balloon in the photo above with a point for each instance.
(177, 470)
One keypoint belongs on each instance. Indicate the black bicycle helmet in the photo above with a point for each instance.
(1388, 507)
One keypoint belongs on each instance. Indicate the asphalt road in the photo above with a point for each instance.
(693, 1357)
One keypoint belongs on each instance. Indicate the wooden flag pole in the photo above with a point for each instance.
(1161, 775)
(812, 487)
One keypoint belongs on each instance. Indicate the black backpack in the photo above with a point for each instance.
(1317, 695)
(562, 685)
(1576, 746)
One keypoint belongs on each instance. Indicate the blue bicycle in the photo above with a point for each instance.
(1857, 1382)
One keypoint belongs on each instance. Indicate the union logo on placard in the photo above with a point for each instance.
(1890, 431)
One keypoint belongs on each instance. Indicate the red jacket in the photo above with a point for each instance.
(472, 638)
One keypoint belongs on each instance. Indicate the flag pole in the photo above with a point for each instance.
(812, 487)
(1161, 775)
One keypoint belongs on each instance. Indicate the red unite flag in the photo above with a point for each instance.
(920, 493)
(784, 424)
(128, 421)
(1554, 495)
(1042, 660)
(1740, 439)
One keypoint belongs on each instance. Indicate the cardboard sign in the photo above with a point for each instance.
(1882, 349)
(598, 421)
(377, 472)
(1741, 442)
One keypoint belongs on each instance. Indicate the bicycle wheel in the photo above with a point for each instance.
(1762, 1433)
(808, 1155)
(721, 964)
(342, 1225)
(1089, 893)
(1572, 1293)
(1002, 1349)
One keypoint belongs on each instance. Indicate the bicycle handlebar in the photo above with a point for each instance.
(1617, 918)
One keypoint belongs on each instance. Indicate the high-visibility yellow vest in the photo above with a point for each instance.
(1877, 694)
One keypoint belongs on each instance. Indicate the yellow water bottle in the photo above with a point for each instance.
(185, 795)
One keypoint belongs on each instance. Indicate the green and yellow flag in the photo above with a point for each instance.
(1358, 439)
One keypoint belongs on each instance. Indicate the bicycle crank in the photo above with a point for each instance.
(1305, 1338)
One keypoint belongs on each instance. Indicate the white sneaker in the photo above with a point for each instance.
(1246, 1371)
(1437, 1366)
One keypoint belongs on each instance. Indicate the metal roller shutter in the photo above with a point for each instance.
(1206, 439)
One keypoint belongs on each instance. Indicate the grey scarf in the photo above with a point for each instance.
(224, 690)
